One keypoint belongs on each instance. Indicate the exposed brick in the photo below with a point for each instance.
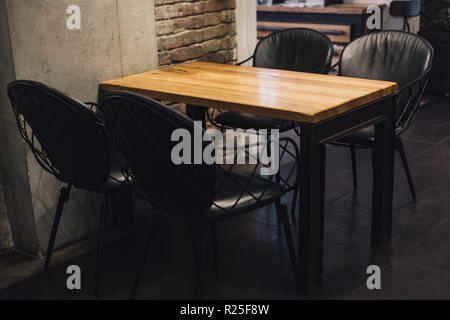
(214, 5)
(216, 31)
(190, 30)
(227, 16)
(227, 43)
(212, 19)
(173, 11)
(164, 27)
(210, 46)
(198, 7)
(180, 39)
(195, 22)
(161, 13)
(170, 42)
(222, 56)
(164, 58)
(232, 29)
(187, 53)
(162, 2)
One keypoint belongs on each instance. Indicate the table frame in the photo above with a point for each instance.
(314, 137)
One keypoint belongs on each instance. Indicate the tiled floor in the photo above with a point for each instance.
(253, 260)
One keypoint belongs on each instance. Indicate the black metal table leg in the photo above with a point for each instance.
(383, 179)
(312, 179)
(312, 182)
(311, 218)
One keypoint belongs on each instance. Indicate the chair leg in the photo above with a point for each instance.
(282, 212)
(155, 221)
(354, 168)
(401, 150)
(101, 242)
(64, 194)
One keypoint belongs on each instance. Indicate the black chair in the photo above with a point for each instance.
(203, 194)
(395, 56)
(297, 49)
(69, 141)
(405, 9)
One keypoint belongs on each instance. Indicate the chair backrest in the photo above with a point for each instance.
(405, 8)
(67, 138)
(397, 56)
(141, 129)
(298, 49)
(389, 55)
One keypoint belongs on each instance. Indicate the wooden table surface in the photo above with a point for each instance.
(303, 97)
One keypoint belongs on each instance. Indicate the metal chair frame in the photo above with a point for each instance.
(211, 112)
(119, 107)
(45, 161)
(412, 92)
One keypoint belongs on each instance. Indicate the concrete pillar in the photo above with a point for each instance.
(14, 171)
(245, 28)
(117, 37)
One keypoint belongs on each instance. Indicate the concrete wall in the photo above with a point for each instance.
(117, 38)
(5, 228)
(6, 69)
(13, 167)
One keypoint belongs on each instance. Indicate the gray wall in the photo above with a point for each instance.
(117, 38)
(13, 167)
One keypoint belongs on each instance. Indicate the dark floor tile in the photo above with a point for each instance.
(427, 131)
(14, 266)
(413, 147)
(433, 251)
(345, 268)
(253, 260)
(436, 110)
(402, 280)
(12, 258)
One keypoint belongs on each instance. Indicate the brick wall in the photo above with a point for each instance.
(189, 30)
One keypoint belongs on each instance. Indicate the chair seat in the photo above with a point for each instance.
(250, 121)
(365, 137)
(225, 206)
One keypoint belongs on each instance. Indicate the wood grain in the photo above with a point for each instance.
(303, 97)
(334, 9)
(345, 37)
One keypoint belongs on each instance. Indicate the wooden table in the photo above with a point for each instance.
(327, 108)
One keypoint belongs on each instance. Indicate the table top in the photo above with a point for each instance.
(289, 95)
(354, 8)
